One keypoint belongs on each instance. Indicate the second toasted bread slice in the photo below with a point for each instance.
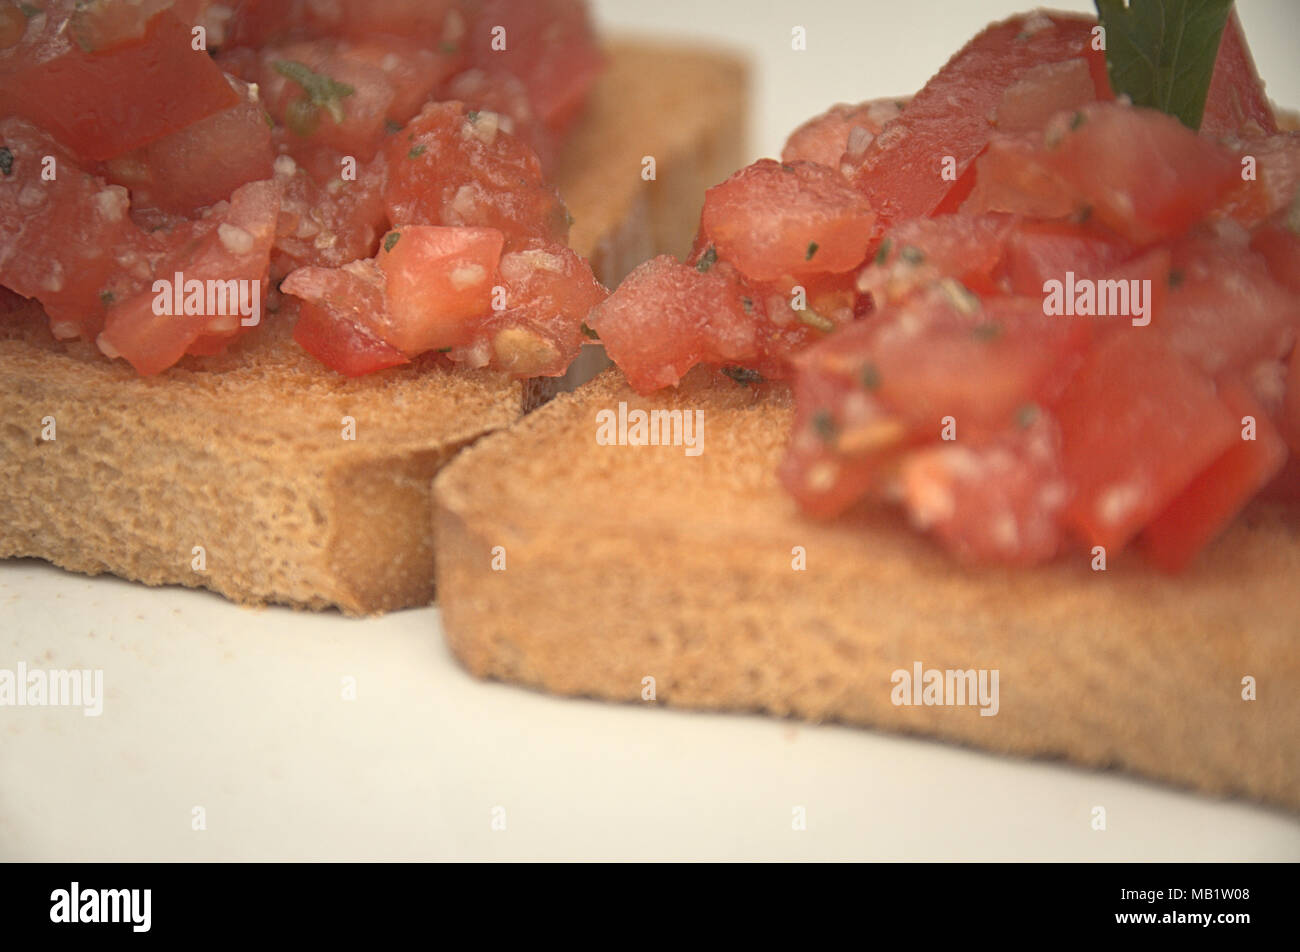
(586, 569)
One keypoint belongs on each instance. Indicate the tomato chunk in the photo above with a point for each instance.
(843, 128)
(666, 317)
(1216, 495)
(232, 246)
(901, 173)
(1236, 103)
(336, 319)
(141, 89)
(772, 219)
(1138, 423)
(438, 281)
(454, 166)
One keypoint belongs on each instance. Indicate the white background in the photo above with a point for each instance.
(240, 712)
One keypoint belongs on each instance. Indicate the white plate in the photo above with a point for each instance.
(241, 713)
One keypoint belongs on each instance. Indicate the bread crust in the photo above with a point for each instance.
(244, 454)
(682, 569)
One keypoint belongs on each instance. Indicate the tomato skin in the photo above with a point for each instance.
(1138, 423)
(772, 219)
(1212, 500)
(448, 168)
(155, 85)
(1039, 251)
(439, 280)
(900, 172)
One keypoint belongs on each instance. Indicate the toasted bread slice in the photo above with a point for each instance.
(244, 455)
(622, 563)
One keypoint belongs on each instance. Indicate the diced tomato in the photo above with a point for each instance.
(549, 290)
(452, 166)
(843, 128)
(200, 164)
(1040, 251)
(1275, 182)
(1225, 312)
(773, 219)
(1138, 423)
(504, 94)
(666, 317)
(992, 502)
(1211, 501)
(345, 96)
(1236, 103)
(918, 252)
(1163, 180)
(64, 238)
(326, 219)
(901, 173)
(232, 244)
(549, 44)
(1042, 92)
(1289, 420)
(439, 280)
(141, 89)
(264, 22)
(104, 24)
(339, 311)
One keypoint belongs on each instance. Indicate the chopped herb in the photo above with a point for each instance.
(391, 239)
(416, 151)
(106, 298)
(589, 332)
(812, 250)
(707, 259)
(1175, 278)
(321, 90)
(568, 218)
(787, 166)
(28, 10)
(823, 425)
(1077, 120)
(6, 160)
(443, 350)
(448, 48)
(392, 126)
(747, 304)
(743, 375)
(815, 320)
(1027, 415)
(1161, 53)
(882, 253)
(989, 330)
(1083, 214)
(912, 254)
(472, 115)
(302, 117)
(870, 376)
(268, 119)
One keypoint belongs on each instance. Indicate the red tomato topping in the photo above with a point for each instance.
(773, 219)
(843, 128)
(141, 89)
(1211, 501)
(336, 322)
(667, 316)
(438, 280)
(454, 166)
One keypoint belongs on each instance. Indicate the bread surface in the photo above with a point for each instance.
(683, 569)
(244, 455)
